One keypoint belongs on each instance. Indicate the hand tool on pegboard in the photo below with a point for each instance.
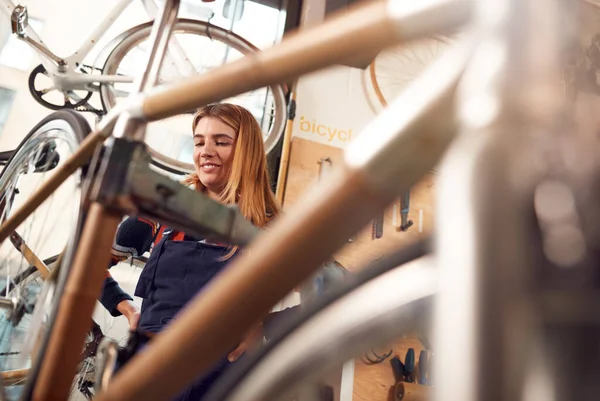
(397, 368)
(325, 165)
(404, 388)
(404, 209)
(400, 220)
(423, 368)
(397, 392)
(409, 366)
(375, 358)
(429, 375)
(378, 226)
(325, 168)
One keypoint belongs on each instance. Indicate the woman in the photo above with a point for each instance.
(230, 164)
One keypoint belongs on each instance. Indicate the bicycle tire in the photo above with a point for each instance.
(81, 129)
(235, 377)
(30, 271)
(67, 120)
(74, 128)
(411, 62)
(136, 34)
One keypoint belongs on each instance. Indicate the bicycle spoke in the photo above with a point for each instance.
(217, 47)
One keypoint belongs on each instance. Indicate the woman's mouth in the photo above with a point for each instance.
(209, 167)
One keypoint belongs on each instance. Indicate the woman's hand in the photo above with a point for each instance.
(251, 340)
(131, 312)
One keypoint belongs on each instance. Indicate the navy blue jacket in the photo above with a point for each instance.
(175, 273)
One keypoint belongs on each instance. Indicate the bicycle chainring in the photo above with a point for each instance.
(71, 100)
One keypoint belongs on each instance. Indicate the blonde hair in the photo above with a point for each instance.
(248, 183)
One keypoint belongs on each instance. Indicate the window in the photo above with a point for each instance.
(261, 25)
(15, 53)
(186, 149)
(6, 99)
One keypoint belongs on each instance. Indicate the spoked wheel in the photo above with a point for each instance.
(394, 68)
(195, 47)
(390, 299)
(30, 258)
(85, 379)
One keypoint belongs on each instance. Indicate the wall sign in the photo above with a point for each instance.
(331, 106)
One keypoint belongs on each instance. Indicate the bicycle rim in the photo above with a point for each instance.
(394, 68)
(321, 336)
(45, 233)
(271, 113)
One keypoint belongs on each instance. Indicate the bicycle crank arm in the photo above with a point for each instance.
(19, 21)
(127, 184)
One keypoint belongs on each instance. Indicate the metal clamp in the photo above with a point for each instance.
(127, 183)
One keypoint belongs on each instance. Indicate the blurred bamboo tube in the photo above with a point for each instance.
(287, 143)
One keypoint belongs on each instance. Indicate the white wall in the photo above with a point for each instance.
(333, 106)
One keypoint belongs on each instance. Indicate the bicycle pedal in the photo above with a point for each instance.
(19, 20)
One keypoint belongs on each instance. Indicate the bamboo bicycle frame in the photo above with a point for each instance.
(521, 89)
(276, 262)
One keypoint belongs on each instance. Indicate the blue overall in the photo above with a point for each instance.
(175, 272)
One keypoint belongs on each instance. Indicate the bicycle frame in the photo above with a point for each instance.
(421, 121)
(66, 76)
(372, 26)
(70, 78)
(515, 328)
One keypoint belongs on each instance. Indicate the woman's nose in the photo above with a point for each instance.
(208, 150)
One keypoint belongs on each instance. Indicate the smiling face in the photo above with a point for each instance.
(214, 143)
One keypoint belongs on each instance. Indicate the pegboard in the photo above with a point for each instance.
(307, 158)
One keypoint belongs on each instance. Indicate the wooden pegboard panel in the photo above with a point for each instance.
(304, 171)
(371, 382)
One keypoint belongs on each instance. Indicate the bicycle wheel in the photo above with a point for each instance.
(42, 236)
(375, 306)
(195, 47)
(396, 67)
(28, 273)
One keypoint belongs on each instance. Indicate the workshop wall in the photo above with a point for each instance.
(333, 107)
(324, 125)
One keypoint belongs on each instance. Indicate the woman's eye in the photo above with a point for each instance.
(221, 143)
